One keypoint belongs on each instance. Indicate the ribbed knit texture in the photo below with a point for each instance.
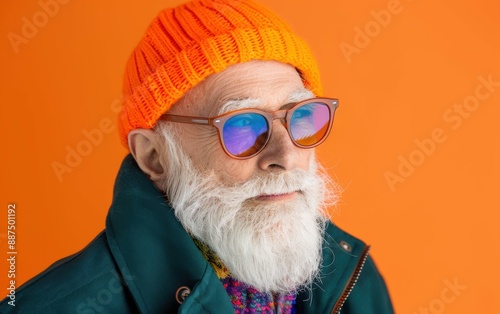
(184, 45)
(245, 298)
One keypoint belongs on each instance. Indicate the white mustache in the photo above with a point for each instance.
(276, 184)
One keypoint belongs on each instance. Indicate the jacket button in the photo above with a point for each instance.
(345, 246)
(182, 293)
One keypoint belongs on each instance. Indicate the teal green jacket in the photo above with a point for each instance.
(145, 262)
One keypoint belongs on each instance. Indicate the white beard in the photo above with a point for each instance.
(273, 246)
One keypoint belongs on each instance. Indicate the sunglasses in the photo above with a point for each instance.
(244, 133)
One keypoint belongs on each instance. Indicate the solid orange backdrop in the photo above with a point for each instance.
(415, 143)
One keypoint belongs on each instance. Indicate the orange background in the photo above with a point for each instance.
(437, 224)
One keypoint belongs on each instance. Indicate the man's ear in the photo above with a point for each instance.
(144, 146)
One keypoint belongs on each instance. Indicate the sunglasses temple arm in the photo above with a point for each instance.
(184, 119)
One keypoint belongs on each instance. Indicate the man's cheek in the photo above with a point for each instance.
(239, 171)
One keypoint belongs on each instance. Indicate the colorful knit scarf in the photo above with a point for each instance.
(245, 298)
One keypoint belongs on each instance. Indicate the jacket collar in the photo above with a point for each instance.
(156, 256)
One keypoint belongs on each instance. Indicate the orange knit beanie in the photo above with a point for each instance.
(184, 45)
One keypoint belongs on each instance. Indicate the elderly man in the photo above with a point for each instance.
(220, 206)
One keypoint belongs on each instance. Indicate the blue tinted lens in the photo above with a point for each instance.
(245, 134)
(309, 123)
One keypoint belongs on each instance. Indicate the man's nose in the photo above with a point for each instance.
(280, 153)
